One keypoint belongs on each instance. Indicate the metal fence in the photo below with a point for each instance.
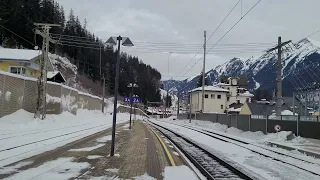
(300, 125)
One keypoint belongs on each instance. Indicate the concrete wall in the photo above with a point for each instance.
(309, 129)
(19, 92)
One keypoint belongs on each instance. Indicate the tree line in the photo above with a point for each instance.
(18, 16)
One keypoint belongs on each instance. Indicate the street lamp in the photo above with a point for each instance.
(112, 41)
(131, 85)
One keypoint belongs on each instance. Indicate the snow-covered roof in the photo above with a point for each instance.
(18, 54)
(223, 84)
(246, 94)
(232, 109)
(51, 74)
(210, 88)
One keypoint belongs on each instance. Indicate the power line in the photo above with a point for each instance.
(227, 32)
(209, 37)
(235, 24)
(17, 35)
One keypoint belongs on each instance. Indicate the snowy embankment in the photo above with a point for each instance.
(22, 136)
(266, 167)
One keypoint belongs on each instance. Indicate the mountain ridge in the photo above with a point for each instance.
(300, 61)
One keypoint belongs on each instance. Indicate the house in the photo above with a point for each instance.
(55, 76)
(234, 108)
(22, 61)
(264, 108)
(215, 99)
(238, 94)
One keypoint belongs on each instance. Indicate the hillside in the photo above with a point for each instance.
(90, 59)
(301, 62)
(73, 78)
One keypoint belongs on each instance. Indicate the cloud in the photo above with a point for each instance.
(184, 22)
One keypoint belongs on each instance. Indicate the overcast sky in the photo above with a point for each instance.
(154, 24)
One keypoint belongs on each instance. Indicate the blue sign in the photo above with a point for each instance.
(134, 99)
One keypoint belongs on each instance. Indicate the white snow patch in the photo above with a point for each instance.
(175, 153)
(8, 96)
(113, 170)
(53, 99)
(94, 157)
(88, 148)
(144, 177)
(179, 172)
(115, 155)
(14, 168)
(104, 139)
(21, 128)
(62, 168)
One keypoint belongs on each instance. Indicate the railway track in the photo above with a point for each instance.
(247, 145)
(211, 165)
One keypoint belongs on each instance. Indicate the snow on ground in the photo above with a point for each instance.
(35, 136)
(257, 164)
(113, 170)
(62, 168)
(94, 157)
(88, 148)
(179, 172)
(249, 136)
(104, 139)
(175, 153)
(10, 169)
(146, 176)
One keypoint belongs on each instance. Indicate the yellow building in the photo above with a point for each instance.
(21, 61)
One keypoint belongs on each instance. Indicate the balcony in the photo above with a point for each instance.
(32, 65)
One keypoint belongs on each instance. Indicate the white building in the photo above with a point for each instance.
(237, 94)
(218, 98)
(215, 99)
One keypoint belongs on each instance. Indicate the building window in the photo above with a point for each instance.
(206, 96)
(228, 88)
(221, 106)
(219, 96)
(228, 98)
(238, 101)
(213, 96)
(18, 70)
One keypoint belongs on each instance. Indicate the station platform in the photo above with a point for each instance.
(140, 153)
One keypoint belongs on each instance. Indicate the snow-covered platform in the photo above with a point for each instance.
(310, 149)
(140, 153)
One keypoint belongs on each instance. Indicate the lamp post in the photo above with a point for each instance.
(131, 85)
(125, 42)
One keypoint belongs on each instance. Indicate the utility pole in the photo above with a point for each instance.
(190, 107)
(306, 104)
(42, 80)
(204, 69)
(103, 91)
(279, 75)
(167, 101)
(178, 110)
(100, 61)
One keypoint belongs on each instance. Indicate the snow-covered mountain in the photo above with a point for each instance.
(300, 68)
(172, 93)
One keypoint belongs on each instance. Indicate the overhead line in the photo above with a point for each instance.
(210, 36)
(17, 35)
(226, 33)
